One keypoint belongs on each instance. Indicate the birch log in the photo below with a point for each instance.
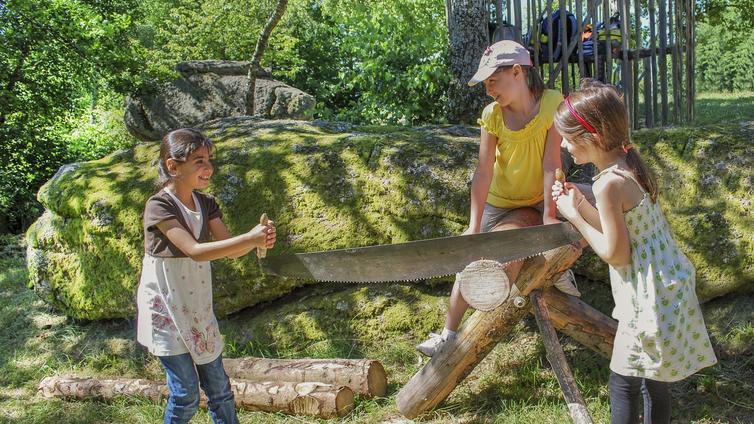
(363, 376)
(479, 334)
(312, 399)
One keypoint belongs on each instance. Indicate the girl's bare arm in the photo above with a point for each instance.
(480, 184)
(550, 162)
(214, 249)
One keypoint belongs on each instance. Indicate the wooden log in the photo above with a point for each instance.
(363, 376)
(484, 284)
(580, 321)
(312, 399)
(558, 362)
(479, 334)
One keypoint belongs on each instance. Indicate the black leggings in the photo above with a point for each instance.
(624, 400)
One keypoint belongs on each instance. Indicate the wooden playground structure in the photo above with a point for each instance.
(645, 48)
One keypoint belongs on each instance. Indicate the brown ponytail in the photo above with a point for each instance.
(601, 105)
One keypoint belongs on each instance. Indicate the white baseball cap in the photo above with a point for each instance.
(502, 53)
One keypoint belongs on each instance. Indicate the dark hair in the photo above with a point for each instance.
(601, 106)
(533, 79)
(178, 145)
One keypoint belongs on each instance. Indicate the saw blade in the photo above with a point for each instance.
(422, 259)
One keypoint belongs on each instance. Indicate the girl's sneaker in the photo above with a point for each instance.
(435, 341)
(567, 284)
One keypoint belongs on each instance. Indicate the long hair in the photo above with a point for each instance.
(601, 106)
(178, 145)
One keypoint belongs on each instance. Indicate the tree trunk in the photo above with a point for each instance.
(479, 334)
(362, 376)
(581, 322)
(256, 58)
(468, 38)
(312, 399)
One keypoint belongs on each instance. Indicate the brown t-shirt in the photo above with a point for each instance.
(162, 207)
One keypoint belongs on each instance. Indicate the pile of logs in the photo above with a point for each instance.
(322, 388)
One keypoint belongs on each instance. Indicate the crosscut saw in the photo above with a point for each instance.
(421, 259)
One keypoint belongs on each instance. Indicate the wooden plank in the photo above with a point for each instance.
(499, 18)
(556, 358)
(647, 92)
(663, 63)
(518, 18)
(535, 34)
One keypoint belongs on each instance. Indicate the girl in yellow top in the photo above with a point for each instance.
(518, 155)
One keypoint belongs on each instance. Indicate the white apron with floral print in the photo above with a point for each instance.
(175, 303)
(661, 333)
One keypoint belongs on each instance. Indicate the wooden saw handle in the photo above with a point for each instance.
(560, 176)
(261, 251)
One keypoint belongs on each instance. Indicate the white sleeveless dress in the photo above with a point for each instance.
(661, 333)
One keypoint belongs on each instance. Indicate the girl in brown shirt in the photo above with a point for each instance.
(176, 321)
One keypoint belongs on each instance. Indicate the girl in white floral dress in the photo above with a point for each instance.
(176, 321)
(661, 335)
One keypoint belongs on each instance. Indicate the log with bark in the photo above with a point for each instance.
(310, 398)
(580, 321)
(363, 376)
(479, 334)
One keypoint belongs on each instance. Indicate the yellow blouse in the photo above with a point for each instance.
(518, 175)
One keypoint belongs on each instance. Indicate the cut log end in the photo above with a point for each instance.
(484, 284)
(377, 379)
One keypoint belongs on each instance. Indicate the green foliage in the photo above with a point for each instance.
(725, 49)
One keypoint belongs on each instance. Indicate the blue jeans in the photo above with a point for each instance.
(184, 378)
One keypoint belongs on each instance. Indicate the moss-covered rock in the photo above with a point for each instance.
(331, 186)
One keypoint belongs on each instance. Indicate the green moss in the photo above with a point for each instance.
(329, 189)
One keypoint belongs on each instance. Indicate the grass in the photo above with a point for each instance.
(514, 384)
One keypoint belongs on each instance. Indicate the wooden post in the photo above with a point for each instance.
(313, 399)
(653, 61)
(499, 18)
(363, 376)
(558, 362)
(673, 11)
(536, 37)
(580, 321)
(625, 64)
(647, 93)
(595, 38)
(690, 61)
(563, 49)
(550, 39)
(518, 18)
(636, 61)
(681, 44)
(608, 42)
(580, 39)
(663, 64)
(478, 335)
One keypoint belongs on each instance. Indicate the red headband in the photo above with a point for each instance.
(578, 117)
